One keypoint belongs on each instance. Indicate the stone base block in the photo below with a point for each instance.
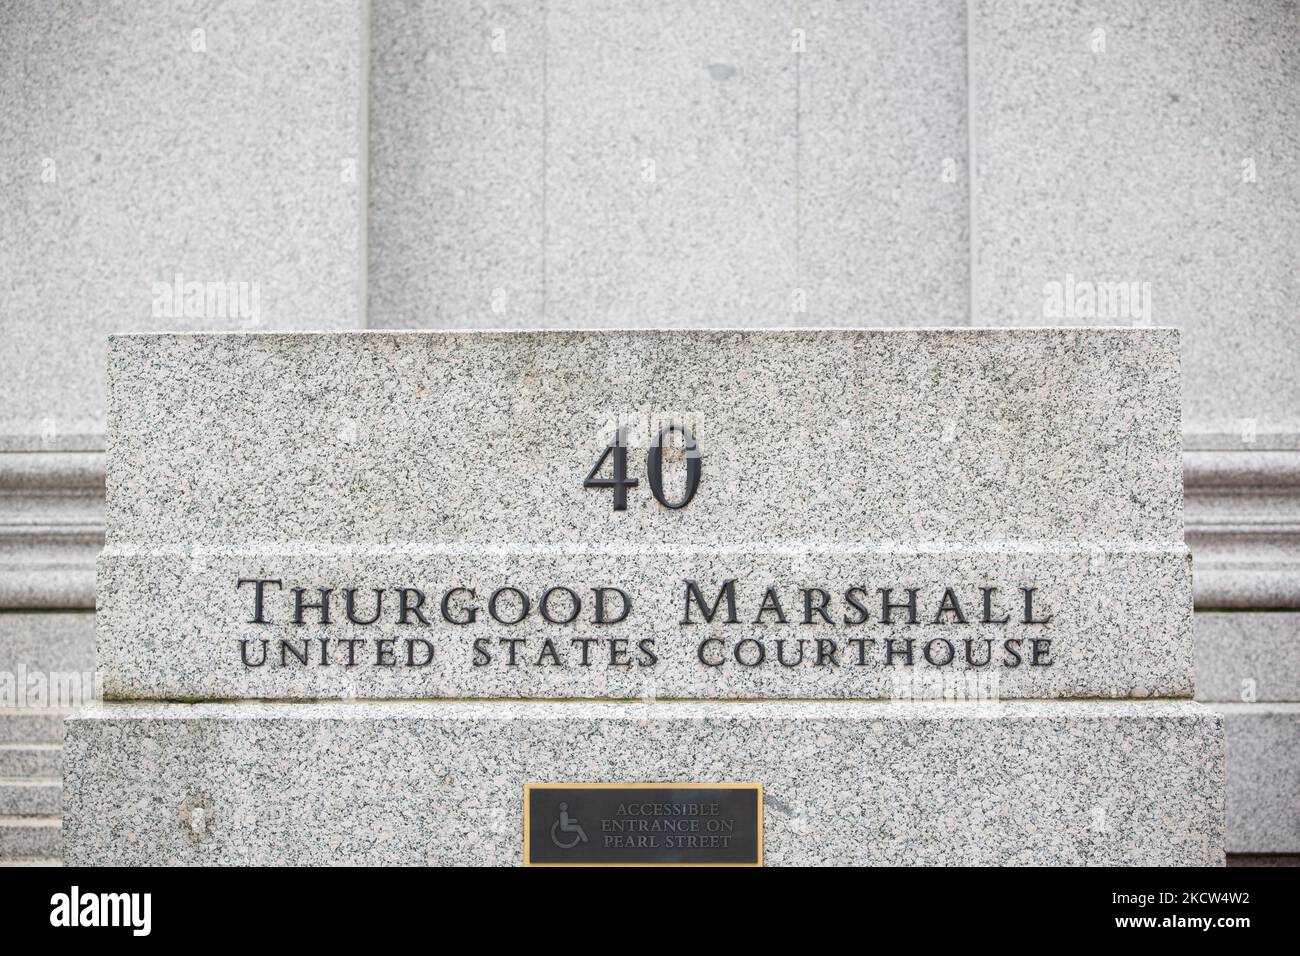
(28, 839)
(426, 782)
(1263, 796)
(1263, 859)
(48, 643)
(1247, 656)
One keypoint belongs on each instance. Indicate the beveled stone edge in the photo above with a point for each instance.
(52, 527)
(1247, 561)
(567, 709)
(1026, 331)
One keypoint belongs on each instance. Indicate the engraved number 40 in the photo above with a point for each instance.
(654, 467)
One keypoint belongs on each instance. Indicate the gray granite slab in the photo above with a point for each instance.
(844, 783)
(883, 180)
(31, 761)
(1153, 144)
(696, 163)
(953, 465)
(31, 726)
(29, 798)
(50, 642)
(29, 841)
(1245, 656)
(1263, 776)
(671, 163)
(457, 128)
(148, 147)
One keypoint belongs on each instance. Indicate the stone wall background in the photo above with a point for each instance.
(580, 163)
(140, 142)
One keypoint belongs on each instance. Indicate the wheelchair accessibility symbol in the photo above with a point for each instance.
(567, 824)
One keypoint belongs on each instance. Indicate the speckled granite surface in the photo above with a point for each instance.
(831, 460)
(1050, 83)
(1263, 794)
(151, 144)
(667, 164)
(1244, 656)
(420, 782)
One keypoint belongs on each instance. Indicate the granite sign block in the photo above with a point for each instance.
(645, 514)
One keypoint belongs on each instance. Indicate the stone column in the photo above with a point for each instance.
(1136, 164)
(677, 163)
(164, 166)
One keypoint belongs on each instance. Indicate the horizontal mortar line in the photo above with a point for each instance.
(1251, 485)
(1207, 557)
(119, 702)
(39, 526)
(1260, 707)
(777, 331)
(316, 549)
(62, 538)
(1264, 527)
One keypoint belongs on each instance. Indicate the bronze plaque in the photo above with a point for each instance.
(643, 824)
